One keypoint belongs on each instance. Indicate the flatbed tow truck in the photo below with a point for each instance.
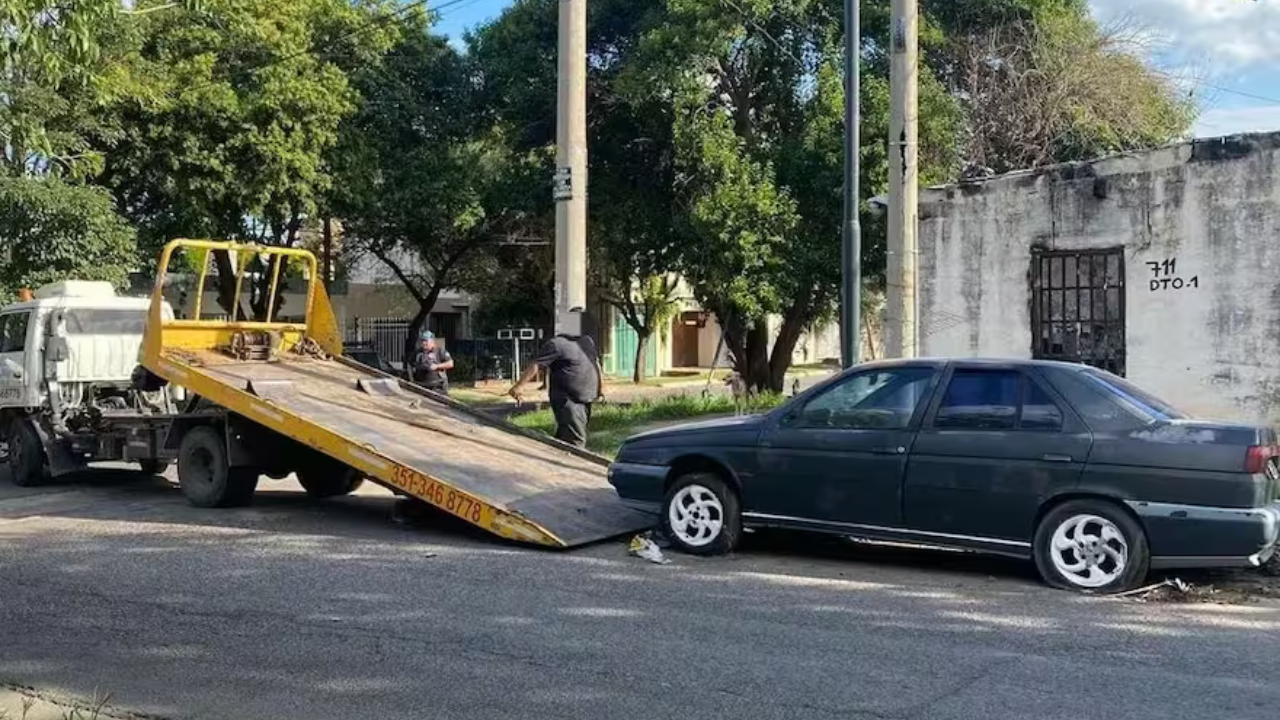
(233, 400)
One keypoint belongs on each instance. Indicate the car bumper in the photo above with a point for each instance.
(1186, 536)
(639, 486)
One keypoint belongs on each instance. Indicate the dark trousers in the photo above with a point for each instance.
(571, 420)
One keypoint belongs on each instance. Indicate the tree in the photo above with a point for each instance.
(426, 180)
(59, 65)
(1056, 90)
(244, 107)
(54, 231)
(717, 130)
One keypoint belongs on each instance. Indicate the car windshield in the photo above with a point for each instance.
(1135, 396)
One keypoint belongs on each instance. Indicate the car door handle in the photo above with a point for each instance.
(889, 450)
(1051, 457)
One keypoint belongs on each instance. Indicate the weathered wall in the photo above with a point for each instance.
(1212, 207)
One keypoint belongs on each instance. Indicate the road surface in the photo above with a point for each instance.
(293, 609)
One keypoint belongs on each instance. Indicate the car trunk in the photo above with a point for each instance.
(1201, 462)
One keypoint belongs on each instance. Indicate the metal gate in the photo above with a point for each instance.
(1078, 307)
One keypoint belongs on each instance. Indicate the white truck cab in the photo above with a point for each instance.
(67, 356)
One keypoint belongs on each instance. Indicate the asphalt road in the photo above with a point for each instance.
(292, 609)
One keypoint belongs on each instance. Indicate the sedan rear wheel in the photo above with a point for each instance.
(701, 515)
(1091, 546)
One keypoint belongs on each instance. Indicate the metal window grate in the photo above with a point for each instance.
(1077, 307)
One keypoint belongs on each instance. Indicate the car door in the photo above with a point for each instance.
(839, 456)
(994, 444)
(13, 359)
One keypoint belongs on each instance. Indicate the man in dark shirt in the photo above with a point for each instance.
(431, 365)
(575, 383)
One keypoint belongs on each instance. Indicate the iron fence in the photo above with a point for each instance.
(475, 360)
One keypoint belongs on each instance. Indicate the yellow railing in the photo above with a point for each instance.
(196, 333)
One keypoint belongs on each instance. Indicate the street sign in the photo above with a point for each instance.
(528, 334)
(507, 334)
(562, 184)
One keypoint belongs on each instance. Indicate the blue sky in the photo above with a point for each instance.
(1225, 52)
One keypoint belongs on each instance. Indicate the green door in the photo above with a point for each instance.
(625, 340)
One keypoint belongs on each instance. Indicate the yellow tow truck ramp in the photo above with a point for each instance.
(286, 400)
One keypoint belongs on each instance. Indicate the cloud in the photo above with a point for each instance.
(1228, 121)
(1224, 34)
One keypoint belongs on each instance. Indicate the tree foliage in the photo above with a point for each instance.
(426, 179)
(54, 230)
(245, 103)
(61, 63)
(1056, 90)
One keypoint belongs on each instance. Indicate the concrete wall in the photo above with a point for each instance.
(1206, 215)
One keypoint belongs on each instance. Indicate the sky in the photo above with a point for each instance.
(1225, 52)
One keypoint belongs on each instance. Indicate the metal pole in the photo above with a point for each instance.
(901, 322)
(328, 255)
(851, 245)
(571, 169)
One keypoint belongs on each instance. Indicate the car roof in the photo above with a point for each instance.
(970, 362)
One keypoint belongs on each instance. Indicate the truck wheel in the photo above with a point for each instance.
(27, 464)
(331, 479)
(153, 466)
(205, 476)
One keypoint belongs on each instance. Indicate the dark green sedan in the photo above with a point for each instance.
(1094, 479)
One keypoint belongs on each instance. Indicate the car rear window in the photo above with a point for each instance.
(1039, 411)
(1102, 409)
(1131, 394)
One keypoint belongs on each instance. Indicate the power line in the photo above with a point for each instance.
(1211, 86)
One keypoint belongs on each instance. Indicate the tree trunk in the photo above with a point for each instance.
(757, 356)
(793, 324)
(642, 344)
(227, 299)
(262, 291)
(411, 342)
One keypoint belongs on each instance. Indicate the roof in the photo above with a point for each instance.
(971, 362)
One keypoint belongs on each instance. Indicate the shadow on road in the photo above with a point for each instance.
(295, 608)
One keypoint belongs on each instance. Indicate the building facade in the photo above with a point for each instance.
(1162, 266)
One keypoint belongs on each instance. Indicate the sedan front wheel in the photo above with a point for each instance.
(1091, 546)
(702, 515)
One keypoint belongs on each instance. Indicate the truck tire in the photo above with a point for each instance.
(28, 465)
(205, 476)
(329, 479)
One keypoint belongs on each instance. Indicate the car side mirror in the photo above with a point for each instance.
(56, 349)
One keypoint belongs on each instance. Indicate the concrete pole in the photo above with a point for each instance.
(571, 169)
(328, 255)
(851, 245)
(901, 322)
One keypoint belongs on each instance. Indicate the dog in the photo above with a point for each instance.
(742, 394)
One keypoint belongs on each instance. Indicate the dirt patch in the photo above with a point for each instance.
(1227, 586)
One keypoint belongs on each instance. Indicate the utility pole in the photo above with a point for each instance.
(571, 169)
(328, 255)
(851, 245)
(901, 319)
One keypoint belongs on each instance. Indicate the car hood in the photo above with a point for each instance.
(717, 425)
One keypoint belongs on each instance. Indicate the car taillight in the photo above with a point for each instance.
(1258, 457)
